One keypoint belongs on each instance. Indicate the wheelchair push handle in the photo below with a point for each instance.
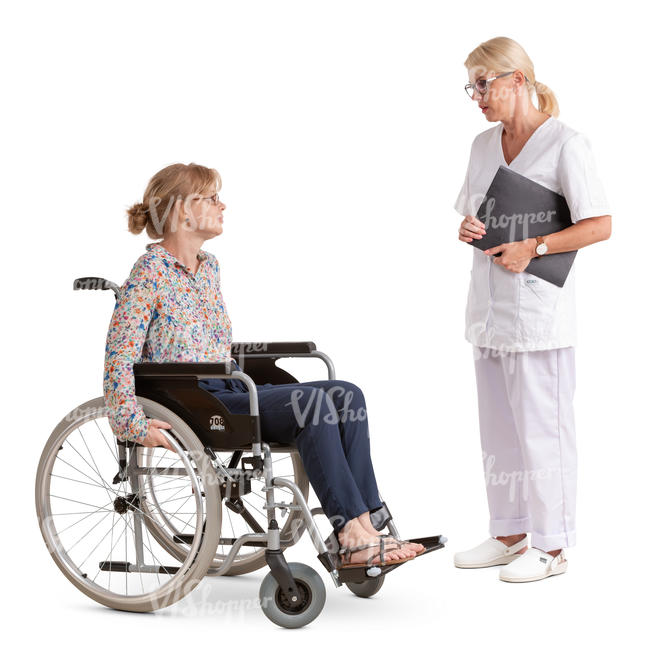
(95, 283)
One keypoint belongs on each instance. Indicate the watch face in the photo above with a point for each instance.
(541, 249)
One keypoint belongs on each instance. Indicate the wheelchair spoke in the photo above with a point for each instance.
(67, 478)
(80, 512)
(158, 508)
(232, 528)
(150, 544)
(166, 514)
(179, 507)
(110, 553)
(256, 509)
(101, 433)
(96, 546)
(83, 503)
(175, 498)
(103, 509)
(103, 482)
(88, 532)
(93, 459)
(126, 557)
(158, 490)
(163, 512)
(163, 456)
(96, 483)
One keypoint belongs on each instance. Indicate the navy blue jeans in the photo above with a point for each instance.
(327, 422)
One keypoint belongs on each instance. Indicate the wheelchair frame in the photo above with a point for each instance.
(175, 386)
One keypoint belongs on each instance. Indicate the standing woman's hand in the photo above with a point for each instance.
(471, 228)
(154, 437)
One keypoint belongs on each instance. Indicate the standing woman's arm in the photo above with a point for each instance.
(126, 335)
(585, 196)
(470, 228)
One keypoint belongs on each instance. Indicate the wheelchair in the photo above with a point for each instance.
(136, 528)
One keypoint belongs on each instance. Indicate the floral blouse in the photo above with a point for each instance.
(164, 313)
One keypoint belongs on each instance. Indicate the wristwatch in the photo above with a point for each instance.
(541, 247)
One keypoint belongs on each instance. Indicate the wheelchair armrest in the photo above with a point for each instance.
(257, 353)
(183, 368)
(281, 347)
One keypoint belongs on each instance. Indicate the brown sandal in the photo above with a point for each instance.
(401, 542)
(347, 551)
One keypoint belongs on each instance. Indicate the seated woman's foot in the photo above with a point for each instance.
(353, 534)
(416, 547)
(412, 547)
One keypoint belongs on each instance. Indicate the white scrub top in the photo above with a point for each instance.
(519, 311)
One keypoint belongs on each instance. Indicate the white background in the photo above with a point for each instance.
(342, 132)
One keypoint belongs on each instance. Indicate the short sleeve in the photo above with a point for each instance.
(462, 202)
(124, 342)
(579, 180)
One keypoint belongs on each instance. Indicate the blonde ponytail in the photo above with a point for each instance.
(546, 101)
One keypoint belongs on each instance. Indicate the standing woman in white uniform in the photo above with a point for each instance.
(523, 328)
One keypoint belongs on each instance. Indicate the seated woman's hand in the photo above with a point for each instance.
(471, 228)
(155, 437)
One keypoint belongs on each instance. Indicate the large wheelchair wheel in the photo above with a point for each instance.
(244, 514)
(95, 509)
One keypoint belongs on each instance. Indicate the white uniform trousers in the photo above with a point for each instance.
(528, 437)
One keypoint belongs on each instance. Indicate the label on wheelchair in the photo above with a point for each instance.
(217, 423)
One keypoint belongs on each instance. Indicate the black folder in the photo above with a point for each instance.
(516, 208)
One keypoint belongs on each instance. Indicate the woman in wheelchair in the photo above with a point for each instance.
(171, 309)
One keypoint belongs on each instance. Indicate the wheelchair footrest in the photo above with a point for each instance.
(361, 574)
(129, 567)
(229, 541)
(430, 543)
(225, 541)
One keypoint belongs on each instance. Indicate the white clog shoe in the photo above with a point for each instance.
(534, 565)
(491, 552)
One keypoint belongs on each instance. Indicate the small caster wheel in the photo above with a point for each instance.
(366, 588)
(311, 600)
